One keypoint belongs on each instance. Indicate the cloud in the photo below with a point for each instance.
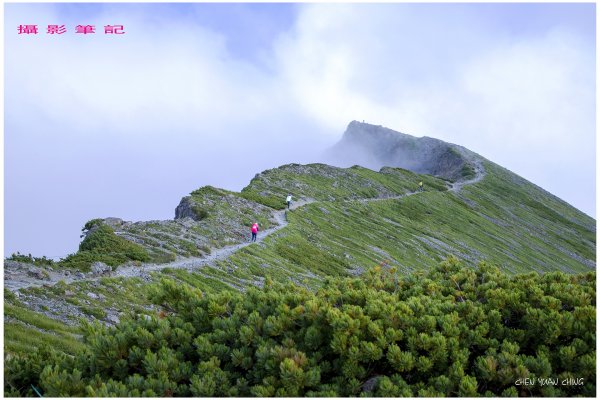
(526, 101)
(125, 126)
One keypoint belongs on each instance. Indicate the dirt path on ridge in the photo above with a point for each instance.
(15, 279)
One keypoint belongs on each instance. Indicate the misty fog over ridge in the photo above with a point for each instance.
(375, 146)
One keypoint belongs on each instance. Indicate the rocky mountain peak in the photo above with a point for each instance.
(375, 146)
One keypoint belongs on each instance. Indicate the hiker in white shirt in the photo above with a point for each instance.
(289, 200)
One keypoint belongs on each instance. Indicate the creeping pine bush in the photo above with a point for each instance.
(102, 244)
(39, 261)
(271, 201)
(200, 212)
(452, 331)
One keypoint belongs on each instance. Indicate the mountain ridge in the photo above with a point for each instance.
(203, 221)
(351, 219)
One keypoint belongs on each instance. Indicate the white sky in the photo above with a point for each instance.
(197, 94)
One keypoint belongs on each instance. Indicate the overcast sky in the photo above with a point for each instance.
(125, 125)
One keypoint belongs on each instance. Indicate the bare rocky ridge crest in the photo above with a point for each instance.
(375, 147)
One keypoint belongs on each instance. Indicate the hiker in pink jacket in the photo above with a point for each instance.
(254, 231)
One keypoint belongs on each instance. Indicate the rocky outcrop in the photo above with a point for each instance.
(208, 218)
(184, 209)
(38, 273)
(99, 268)
(375, 147)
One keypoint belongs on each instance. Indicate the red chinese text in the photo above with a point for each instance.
(28, 29)
(114, 29)
(85, 29)
(56, 29)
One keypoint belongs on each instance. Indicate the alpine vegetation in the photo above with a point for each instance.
(440, 273)
(452, 331)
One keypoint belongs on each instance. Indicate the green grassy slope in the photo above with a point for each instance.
(551, 233)
(326, 183)
(26, 330)
(502, 219)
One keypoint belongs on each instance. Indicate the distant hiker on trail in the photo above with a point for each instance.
(289, 200)
(254, 231)
(421, 186)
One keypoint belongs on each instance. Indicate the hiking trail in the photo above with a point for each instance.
(16, 279)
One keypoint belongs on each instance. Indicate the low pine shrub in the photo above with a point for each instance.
(278, 203)
(102, 244)
(452, 331)
(29, 259)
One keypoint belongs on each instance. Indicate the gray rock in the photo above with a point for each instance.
(12, 264)
(184, 209)
(376, 147)
(112, 319)
(99, 268)
(113, 222)
(370, 384)
(187, 222)
(38, 273)
(130, 237)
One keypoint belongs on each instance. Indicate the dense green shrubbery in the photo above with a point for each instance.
(22, 373)
(102, 244)
(278, 203)
(200, 212)
(451, 332)
(269, 201)
(91, 224)
(468, 171)
(29, 259)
